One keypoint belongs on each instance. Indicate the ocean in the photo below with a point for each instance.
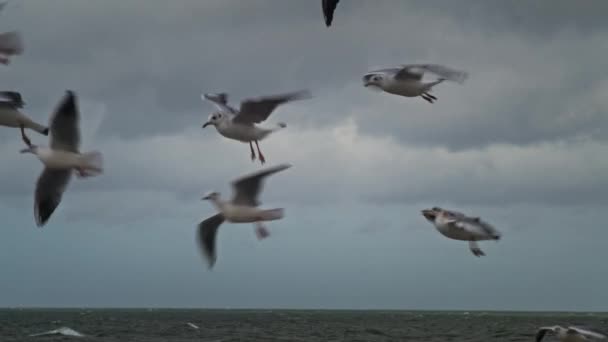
(156, 325)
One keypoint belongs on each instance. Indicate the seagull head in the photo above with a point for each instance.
(213, 195)
(214, 119)
(373, 79)
(431, 214)
(30, 149)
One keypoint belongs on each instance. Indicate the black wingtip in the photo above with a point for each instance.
(45, 131)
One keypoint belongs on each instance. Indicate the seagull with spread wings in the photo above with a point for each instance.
(407, 80)
(243, 208)
(11, 116)
(329, 6)
(458, 226)
(241, 124)
(570, 334)
(61, 159)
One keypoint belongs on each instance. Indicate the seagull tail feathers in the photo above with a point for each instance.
(93, 162)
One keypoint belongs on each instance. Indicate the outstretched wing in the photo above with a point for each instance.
(65, 133)
(206, 236)
(416, 71)
(329, 6)
(541, 333)
(259, 109)
(49, 189)
(247, 188)
(587, 332)
(220, 100)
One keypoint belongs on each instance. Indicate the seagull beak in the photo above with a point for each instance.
(26, 150)
(429, 214)
(206, 124)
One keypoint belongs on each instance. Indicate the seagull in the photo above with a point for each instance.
(458, 226)
(407, 80)
(10, 116)
(571, 334)
(243, 208)
(240, 124)
(10, 44)
(329, 6)
(61, 158)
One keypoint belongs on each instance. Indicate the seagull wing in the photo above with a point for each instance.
(11, 98)
(259, 109)
(473, 225)
(416, 71)
(220, 100)
(247, 188)
(206, 234)
(49, 189)
(541, 333)
(329, 6)
(65, 133)
(588, 333)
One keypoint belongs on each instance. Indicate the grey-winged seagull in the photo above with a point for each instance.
(11, 116)
(458, 226)
(61, 158)
(240, 124)
(407, 79)
(329, 6)
(243, 208)
(570, 334)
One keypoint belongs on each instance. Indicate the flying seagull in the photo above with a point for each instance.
(240, 124)
(10, 44)
(329, 6)
(407, 80)
(11, 116)
(61, 158)
(243, 208)
(570, 334)
(63, 331)
(458, 226)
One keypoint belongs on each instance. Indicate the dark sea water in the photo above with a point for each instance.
(281, 325)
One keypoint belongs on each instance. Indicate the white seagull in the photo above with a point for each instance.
(570, 334)
(243, 208)
(10, 115)
(61, 158)
(11, 44)
(240, 125)
(329, 6)
(63, 331)
(458, 226)
(407, 80)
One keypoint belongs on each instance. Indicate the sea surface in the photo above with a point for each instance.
(155, 325)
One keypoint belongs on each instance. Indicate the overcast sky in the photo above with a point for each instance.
(523, 144)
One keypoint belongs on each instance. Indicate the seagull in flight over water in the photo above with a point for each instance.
(458, 226)
(407, 79)
(61, 158)
(240, 124)
(329, 6)
(570, 334)
(243, 208)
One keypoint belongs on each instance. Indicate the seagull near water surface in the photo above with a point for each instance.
(243, 208)
(570, 334)
(61, 158)
(458, 226)
(240, 124)
(407, 80)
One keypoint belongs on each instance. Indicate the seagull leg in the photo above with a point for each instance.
(431, 96)
(260, 231)
(475, 249)
(424, 96)
(262, 159)
(26, 140)
(252, 152)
